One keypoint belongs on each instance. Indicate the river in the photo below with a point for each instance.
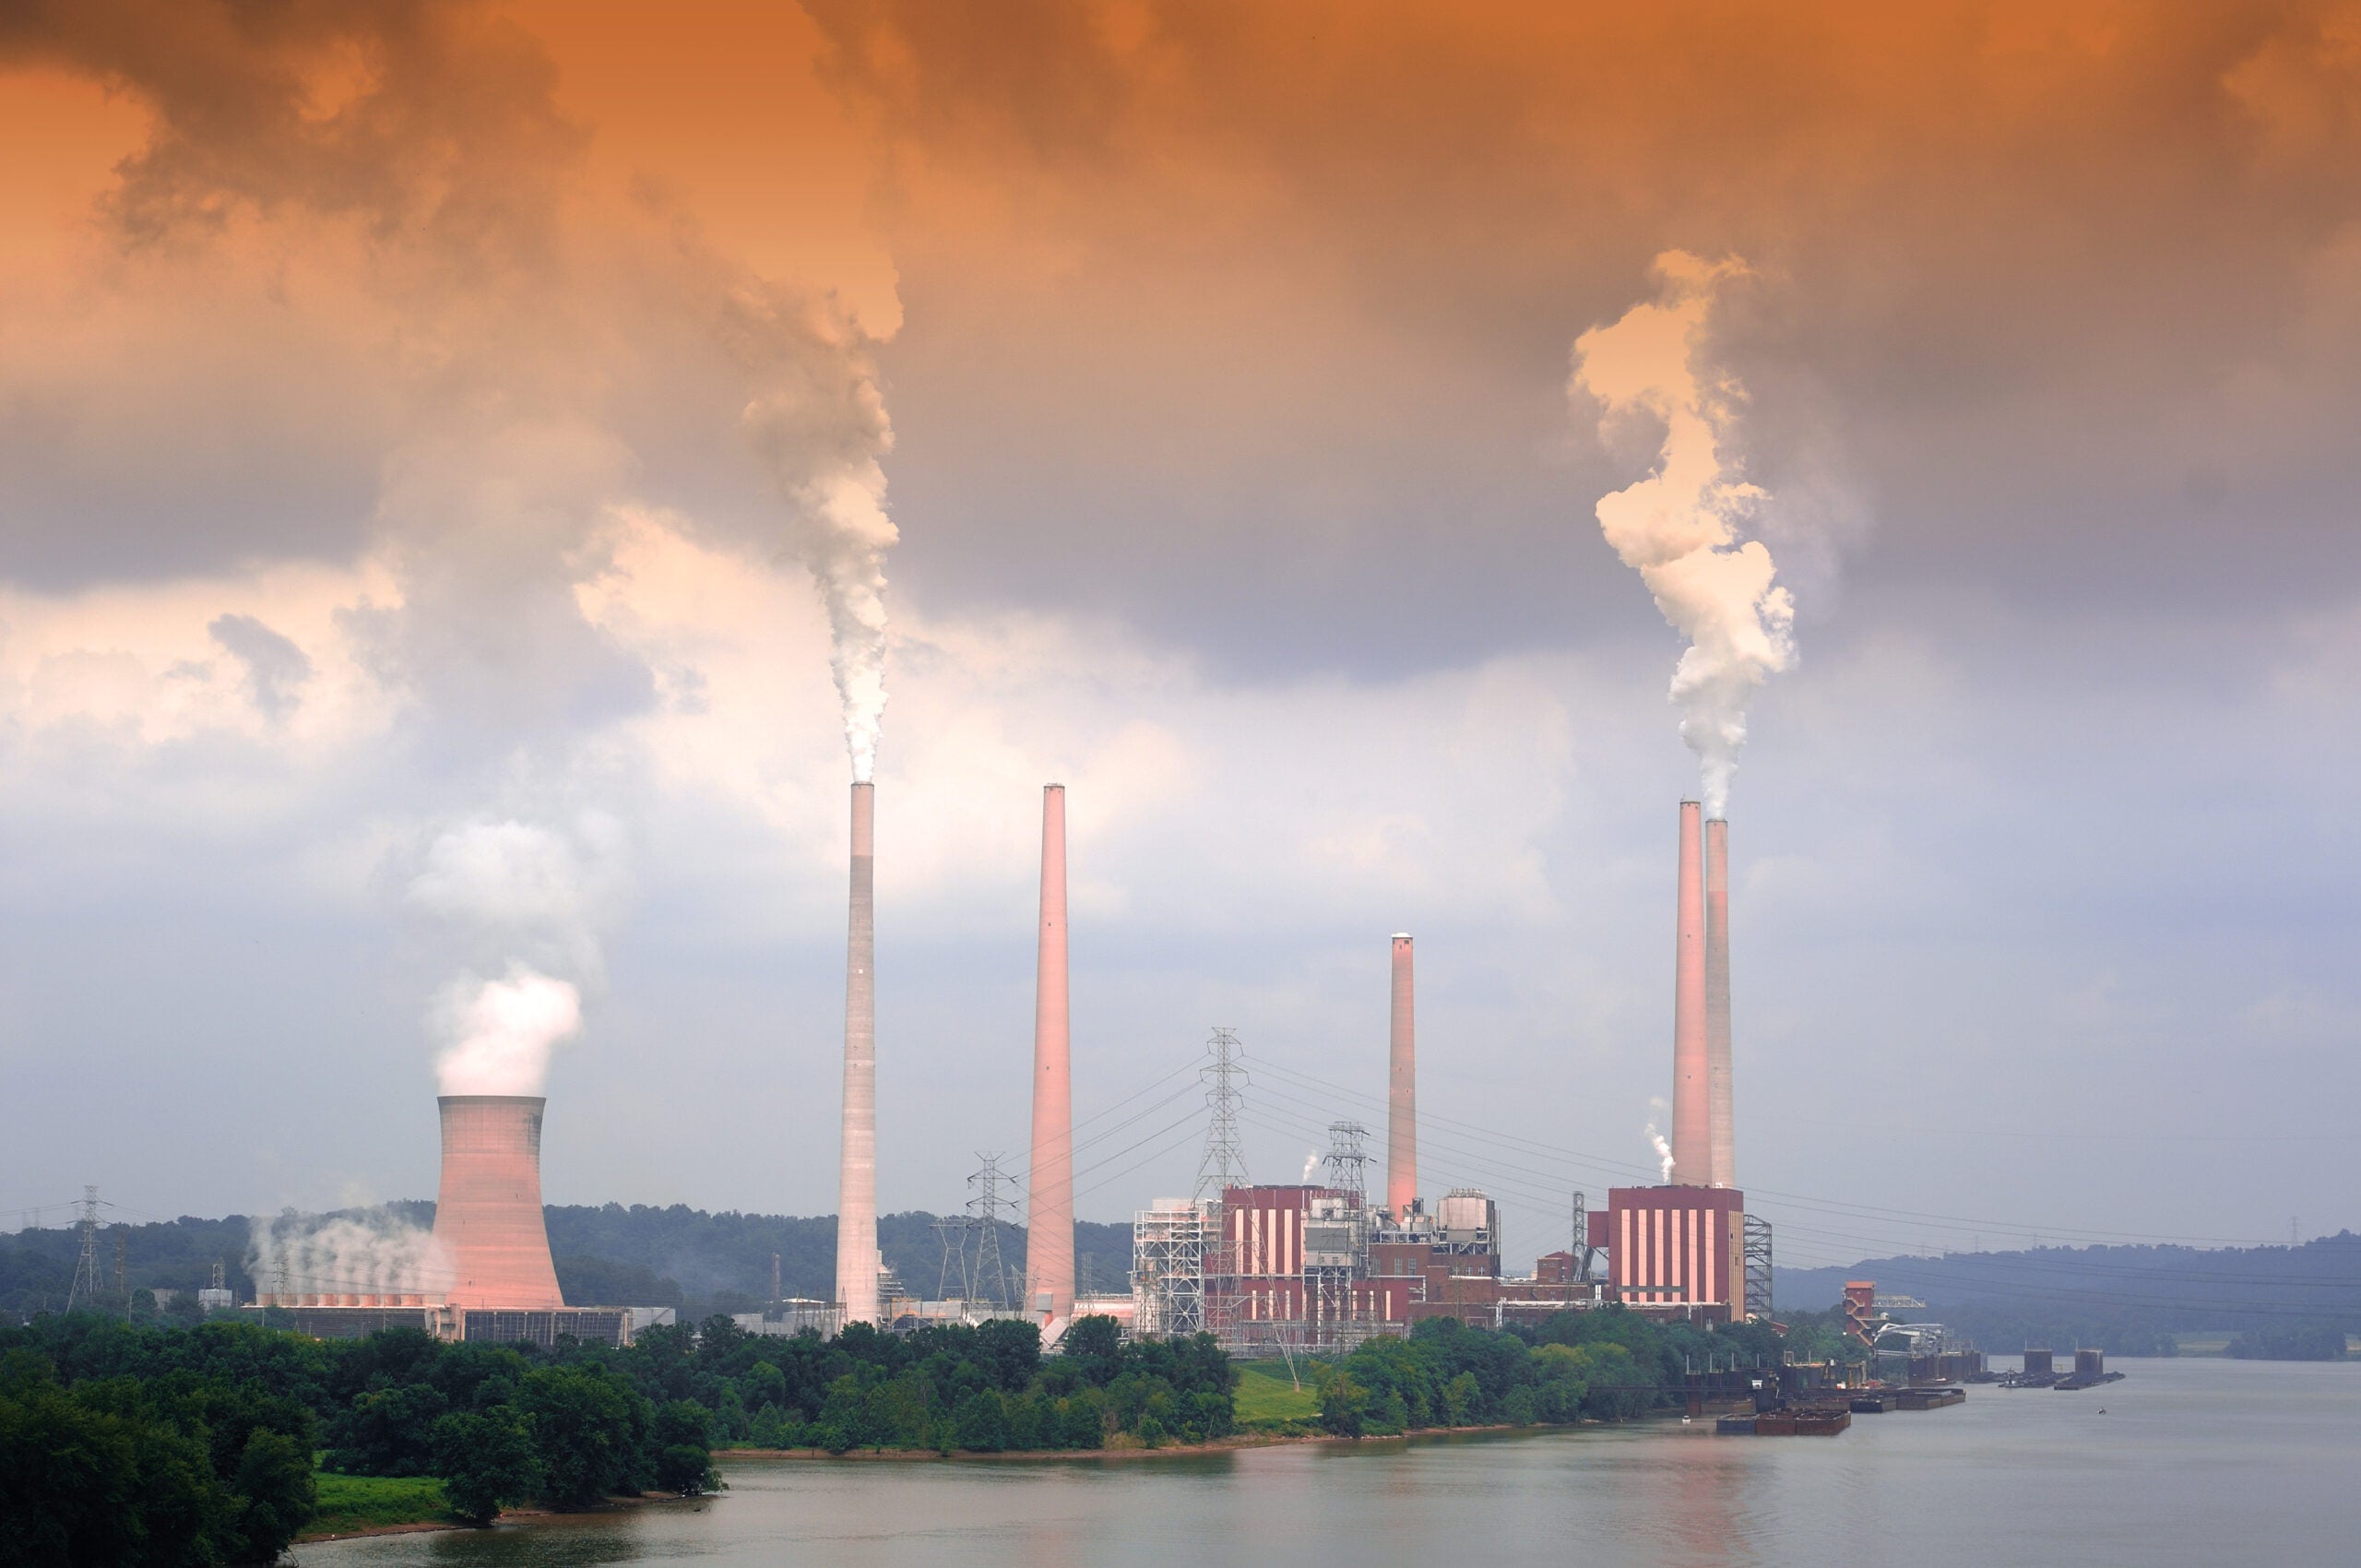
(2192, 1461)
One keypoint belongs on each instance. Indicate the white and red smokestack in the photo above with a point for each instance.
(1402, 1089)
(857, 1175)
(488, 1221)
(1049, 1249)
(1723, 1172)
(1692, 1116)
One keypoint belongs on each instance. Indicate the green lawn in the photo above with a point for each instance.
(357, 1502)
(1267, 1402)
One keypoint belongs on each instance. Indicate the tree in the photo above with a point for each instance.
(584, 1426)
(981, 1422)
(487, 1461)
(1344, 1406)
(276, 1491)
(684, 1452)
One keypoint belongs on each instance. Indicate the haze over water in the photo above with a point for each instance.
(2194, 1461)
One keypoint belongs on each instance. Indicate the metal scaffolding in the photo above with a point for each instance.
(1168, 1245)
(1758, 1266)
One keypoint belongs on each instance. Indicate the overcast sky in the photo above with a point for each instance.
(402, 411)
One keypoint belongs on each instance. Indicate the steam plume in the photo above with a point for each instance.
(370, 1253)
(527, 899)
(1656, 1141)
(1310, 1164)
(1678, 526)
(818, 422)
(500, 1033)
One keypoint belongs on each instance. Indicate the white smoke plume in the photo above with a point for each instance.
(373, 1253)
(1657, 1139)
(499, 1034)
(1680, 526)
(1310, 1164)
(818, 422)
(530, 899)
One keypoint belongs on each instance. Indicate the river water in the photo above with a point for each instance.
(2210, 1462)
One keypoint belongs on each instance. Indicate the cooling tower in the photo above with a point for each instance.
(1691, 1142)
(1402, 1089)
(1048, 1251)
(1723, 1171)
(857, 1176)
(488, 1211)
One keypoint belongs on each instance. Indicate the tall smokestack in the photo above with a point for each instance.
(857, 1176)
(1722, 1140)
(488, 1211)
(1049, 1248)
(1402, 1088)
(1691, 1142)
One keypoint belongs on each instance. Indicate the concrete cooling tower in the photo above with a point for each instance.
(488, 1213)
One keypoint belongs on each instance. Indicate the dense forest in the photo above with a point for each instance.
(697, 1262)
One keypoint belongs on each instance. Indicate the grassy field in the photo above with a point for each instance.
(360, 1503)
(1267, 1402)
(2206, 1343)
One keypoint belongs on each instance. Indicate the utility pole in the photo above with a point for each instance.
(991, 1283)
(1225, 1076)
(85, 1289)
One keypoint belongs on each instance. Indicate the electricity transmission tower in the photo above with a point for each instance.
(1225, 1076)
(952, 1231)
(84, 1292)
(990, 1284)
(1347, 1162)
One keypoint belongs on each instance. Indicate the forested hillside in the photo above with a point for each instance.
(609, 1255)
(2125, 1300)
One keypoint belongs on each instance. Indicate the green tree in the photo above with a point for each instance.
(980, 1423)
(276, 1492)
(684, 1452)
(584, 1426)
(486, 1460)
(1344, 1406)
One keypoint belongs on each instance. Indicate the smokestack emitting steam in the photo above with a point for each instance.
(1402, 1088)
(1723, 1171)
(488, 1226)
(1049, 1249)
(820, 426)
(1679, 526)
(1691, 1137)
(856, 1174)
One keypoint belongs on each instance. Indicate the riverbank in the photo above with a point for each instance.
(430, 1513)
(1233, 1443)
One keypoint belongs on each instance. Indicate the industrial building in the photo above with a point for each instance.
(1274, 1268)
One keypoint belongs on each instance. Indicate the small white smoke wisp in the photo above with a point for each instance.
(499, 1033)
(817, 421)
(1311, 1165)
(373, 1253)
(1679, 526)
(1657, 1139)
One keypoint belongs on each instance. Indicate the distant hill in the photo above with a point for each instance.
(610, 1254)
(2127, 1300)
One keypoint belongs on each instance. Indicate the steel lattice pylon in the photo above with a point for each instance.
(1758, 1266)
(1224, 1162)
(989, 1282)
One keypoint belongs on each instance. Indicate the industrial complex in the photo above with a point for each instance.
(1267, 1269)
